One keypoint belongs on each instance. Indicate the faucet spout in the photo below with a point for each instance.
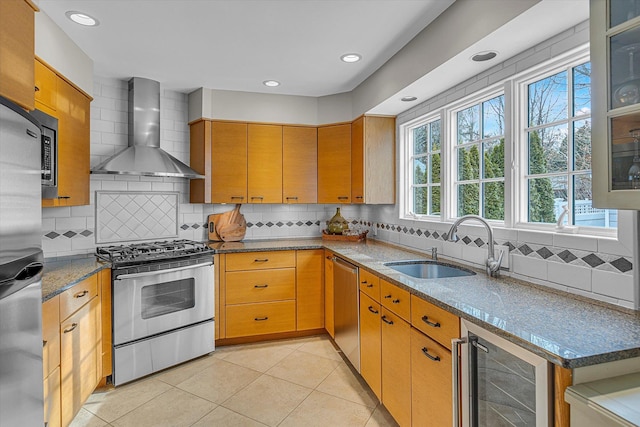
(492, 264)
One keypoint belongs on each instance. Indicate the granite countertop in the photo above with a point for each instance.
(62, 273)
(563, 328)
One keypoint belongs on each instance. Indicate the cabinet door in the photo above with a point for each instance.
(396, 367)
(200, 161)
(379, 160)
(357, 160)
(17, 44)
(310, 289)
(228, 162)
(105, 312)
(46, 86)
(328, 293)
(264, 163)
(371, 344)
(299, 164)
(431, 388)
(72, 112)
(334, 164)
(52, 398)
(80, 350)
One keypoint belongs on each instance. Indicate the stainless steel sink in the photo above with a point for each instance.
(424, 269)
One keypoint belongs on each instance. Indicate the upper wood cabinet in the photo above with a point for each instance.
(264, 162)
(334, 164)
(615, 89)
(299, 164)
(71, 107)
(17, 47)
(373, 160)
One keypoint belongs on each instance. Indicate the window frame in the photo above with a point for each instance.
(514, 90)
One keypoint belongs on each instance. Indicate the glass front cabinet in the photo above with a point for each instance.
(615, 59)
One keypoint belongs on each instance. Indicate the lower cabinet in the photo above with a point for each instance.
(431, 388)
(396, 366)
(80, 357)
(329, 324)
(51, 361)
(371, 343)
(270, 292)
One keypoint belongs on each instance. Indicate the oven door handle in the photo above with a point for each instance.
(456, 343)
(156, 272)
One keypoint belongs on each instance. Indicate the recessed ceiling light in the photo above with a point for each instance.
(408, 98)
(271, 83)
(82, 18)
(351, 57)
(484, 56)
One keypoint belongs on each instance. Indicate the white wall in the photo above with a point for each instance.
(603, 282)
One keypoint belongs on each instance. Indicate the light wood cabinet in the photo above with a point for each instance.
(396, 366)
(260, 260)
(299, 164)
(51, 360)
(80, 357)
(46, 86)
(260, 285)
(17, 47)
(264, 163)
(329, 322)
(334, 164)
(371, 343)
(439, 324)
(370, 284)
(431, 386)
(260, 318)
(395, 299)
(71, 107)
(104, 286)
(373, 152)
(309, 289)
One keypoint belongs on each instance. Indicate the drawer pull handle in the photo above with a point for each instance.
(425, 319)
(388, 322)
(396, 301)
(261, 286)
(237, 197)
(37, 88)
(330, 258)
(73, 326)
(261, 260)
(359, 197)
(64, 197)
(257, 197)
(425, 351)
(260, 319)
(372, 310)
(81, 294)
(292, 198)
(44, 343)
(387, 296)
(370, 285)
(343, 197)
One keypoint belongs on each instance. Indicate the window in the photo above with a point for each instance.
(558, 150)
(479, 152)
(424, 164)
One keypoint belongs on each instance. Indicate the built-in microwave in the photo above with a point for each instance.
(48, 154)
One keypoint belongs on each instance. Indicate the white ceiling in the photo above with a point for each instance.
(237, 44)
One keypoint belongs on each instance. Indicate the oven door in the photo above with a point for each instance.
(150, 303)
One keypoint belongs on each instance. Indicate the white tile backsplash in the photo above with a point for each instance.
(569, 275)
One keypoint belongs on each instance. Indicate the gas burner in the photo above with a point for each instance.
(143, 253)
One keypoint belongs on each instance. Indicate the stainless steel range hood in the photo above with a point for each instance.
(144, 156)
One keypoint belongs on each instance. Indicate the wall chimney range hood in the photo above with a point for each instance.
(144, 156)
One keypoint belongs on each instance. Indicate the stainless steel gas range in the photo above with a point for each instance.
(162, 306)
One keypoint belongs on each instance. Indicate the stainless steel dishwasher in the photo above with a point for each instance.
(345, 304)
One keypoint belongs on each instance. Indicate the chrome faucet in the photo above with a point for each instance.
(493, 265)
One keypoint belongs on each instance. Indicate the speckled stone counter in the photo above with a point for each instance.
(563, 328)
(62, 273)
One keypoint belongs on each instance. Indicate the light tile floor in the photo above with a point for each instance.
(298, 382)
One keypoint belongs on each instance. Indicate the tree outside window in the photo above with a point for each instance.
(425, 163)
(480, 159)
(559, 150)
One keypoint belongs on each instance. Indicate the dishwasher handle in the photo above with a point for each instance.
(345, 265)
(456, 343)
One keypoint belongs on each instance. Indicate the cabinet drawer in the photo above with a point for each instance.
(259, 286)
(261, 318)
(370, 284)
(260, 260)
(439, 324)
(78, 295)
(395, 299)
(50, 335)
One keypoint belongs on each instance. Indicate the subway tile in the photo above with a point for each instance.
(530, 267)
(613, 285)
(114, 186)
(537, 237)
(575, 242)
(613, 246)
(138, 186)
(570, 275)
(58, 212)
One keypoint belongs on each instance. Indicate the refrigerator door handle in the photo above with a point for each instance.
(455, 346)
(29, 271)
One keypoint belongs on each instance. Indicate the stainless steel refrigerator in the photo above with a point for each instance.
(21, 263)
